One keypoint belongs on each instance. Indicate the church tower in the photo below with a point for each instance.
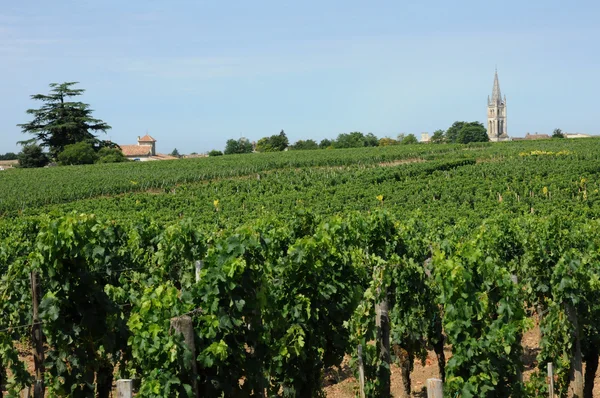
(496, 114)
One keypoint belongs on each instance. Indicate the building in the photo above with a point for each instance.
(144, 150)
(576, 135)
(536, 136)
(496, 114)
(425, 137)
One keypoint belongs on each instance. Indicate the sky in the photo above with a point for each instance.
(193, 74)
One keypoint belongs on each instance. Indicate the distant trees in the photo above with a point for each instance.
(452, 132)
(438, 137)
(557, 133)
(305, 145)
(274, 143)
(460, 132)
(472, 132)
(60, 122)
(9, 156)
(463, 133)
(238, 146)
(354, 139)
(175, 153)
(214, 152)
(409, 140)
(32, 156)
(387, 141)
(325, 143)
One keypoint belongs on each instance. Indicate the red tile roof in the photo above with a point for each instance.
(136, 150)
(146, 138)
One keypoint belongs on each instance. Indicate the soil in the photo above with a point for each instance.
(340, 382)
(346, 385)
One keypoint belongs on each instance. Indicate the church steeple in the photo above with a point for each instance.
(497, 113)
(496, 93)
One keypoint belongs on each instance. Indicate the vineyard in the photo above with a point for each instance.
(282, 265)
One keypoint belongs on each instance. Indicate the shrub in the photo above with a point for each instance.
(32, 156)
(79, 153)
(111, 155)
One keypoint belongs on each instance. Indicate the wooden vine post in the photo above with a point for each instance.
(435, 388)
(124, 388)
(576, 376)
(37, 338)
(382, 325)
(550, 380)
(361, 372)
(183, 325)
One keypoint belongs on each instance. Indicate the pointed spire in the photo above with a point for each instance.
(496, 94)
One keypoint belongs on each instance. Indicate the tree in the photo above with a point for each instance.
(305, 145)
(557, 133)
(111, 155)
(60, 122)
(32, 156)
(79, 153)
(240, 146)
(175, 153)
(273, 143)
(410, 139)
(325, 143)
(472, 132)
(438, 137)
(214, 152)
(371, 140)
(9, 156)
(279, 142)
(354, 139)
(264, 145)
(452, 132)
(387, 141)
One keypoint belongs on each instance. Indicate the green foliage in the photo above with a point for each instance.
(483, 319)
(557, 133)
(325, 143)
(410, 139)
(464, 133)
(215, 152)
(32, 156)
(386, 141)
(355, 140)
(274, 143)
(438, 137)
(304, 145)
(240, 146)
(285, 293)
(111, 155)
(453, 131)
(60, 122)
(79, 153)
(175, 153)
(9, 156)
(472, 132)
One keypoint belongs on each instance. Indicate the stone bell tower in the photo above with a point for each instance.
(496, 114)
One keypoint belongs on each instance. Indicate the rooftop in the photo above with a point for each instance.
(136, 150)
(146, 138)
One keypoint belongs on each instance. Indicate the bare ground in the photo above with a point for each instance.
(347, 385)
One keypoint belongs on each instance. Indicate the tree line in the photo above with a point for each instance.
(458, 133)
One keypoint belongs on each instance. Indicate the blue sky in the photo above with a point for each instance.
(196, 73)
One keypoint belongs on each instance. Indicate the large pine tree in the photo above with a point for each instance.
(60, 122)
